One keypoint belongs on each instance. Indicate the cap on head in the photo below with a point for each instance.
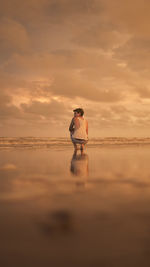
(79, 110)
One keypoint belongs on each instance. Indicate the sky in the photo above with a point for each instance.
(57, 55)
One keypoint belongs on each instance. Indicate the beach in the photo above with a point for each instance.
(62, 209)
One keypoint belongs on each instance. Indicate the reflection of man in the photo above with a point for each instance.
(79, 164)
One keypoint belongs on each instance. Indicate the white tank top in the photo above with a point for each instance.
(80, 133)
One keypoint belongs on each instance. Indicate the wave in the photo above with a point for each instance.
(6, 142)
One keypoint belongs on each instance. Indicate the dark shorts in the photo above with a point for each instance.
(78, 141)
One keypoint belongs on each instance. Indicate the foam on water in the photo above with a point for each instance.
(9, 142)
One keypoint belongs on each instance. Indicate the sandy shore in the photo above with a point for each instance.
(61, 209)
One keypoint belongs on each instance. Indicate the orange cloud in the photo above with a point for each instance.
(93, 54)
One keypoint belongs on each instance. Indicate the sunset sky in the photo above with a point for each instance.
(57, 55)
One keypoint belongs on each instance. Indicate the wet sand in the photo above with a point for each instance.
(60, 209)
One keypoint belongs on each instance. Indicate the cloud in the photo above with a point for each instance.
(6, 109)
(71, 84)
(9, 111)
(130, 16)
(143, 92)
(13, 37)
(59, 54)
(66, 8)
(71, 73)
(68, 59)
(53, 109)
(26, 12)
(101, 35)
(37, 12)
(136, 54)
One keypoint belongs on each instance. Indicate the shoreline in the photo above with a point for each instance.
(65, 146)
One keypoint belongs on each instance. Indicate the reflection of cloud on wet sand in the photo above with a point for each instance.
(57, 222)
(8, 166)
(15, 187)
(67, 227)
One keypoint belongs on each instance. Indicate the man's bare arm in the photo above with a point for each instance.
(71, 127)
(87, 127)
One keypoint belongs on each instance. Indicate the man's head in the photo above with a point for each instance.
(78, 112)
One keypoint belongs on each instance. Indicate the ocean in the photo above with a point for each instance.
(38, 142)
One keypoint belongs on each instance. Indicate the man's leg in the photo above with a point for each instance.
(75, 146)
(82, 147)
